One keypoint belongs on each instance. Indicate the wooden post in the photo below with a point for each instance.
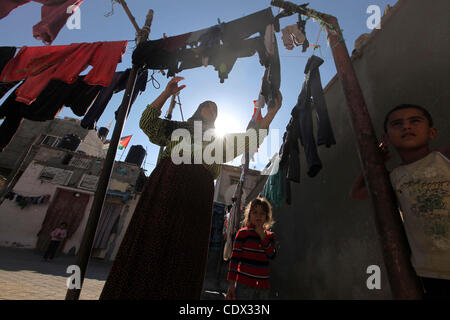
(88, 237)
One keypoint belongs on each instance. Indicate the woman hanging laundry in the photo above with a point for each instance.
(164, 251)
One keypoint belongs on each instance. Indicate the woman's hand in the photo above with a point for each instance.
(271, 112)
(172, 87)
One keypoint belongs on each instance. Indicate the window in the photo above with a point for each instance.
(55, 175)
(80, 163)
(88, 182)
(51, 141)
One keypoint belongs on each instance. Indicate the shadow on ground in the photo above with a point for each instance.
(14, 259)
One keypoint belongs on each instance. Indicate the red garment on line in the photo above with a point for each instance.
(39, 65)
(53, 14)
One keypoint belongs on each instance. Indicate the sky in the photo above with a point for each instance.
(235, 96)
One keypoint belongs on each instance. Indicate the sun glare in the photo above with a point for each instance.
(227, 124)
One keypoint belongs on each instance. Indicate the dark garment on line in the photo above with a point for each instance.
(271, 80)
(312, 87)
(6, 54)
(78, 96)
(224, 57)
(169, 52)
(290, 151)
(118, 83)
(164, 252)
(301, 125)
(6, 86)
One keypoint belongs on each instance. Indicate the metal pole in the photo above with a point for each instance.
(402, 278)
(100, 194)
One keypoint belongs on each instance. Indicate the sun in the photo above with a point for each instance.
(227, 124)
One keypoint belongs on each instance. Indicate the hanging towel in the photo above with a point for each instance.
(53, 13)
(39, 65)
(118, 83)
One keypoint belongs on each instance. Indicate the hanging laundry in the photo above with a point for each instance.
(39, 65)
(24, 201)
(224, 57)
(118, 83)
(289, 150)
(54, 15)
(6, 54)
(292, 36)
(274, 189)
(301, 125)
(78, 96)
(271, 80)
(167, 53)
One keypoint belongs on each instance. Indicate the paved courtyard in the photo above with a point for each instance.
(24, 275)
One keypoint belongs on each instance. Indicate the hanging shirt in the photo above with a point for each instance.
(39, 65)
(423, 192)
(54, 14)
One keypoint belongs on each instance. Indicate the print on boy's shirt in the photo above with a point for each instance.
(430, 206)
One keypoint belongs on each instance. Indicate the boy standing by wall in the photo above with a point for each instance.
(422, 186)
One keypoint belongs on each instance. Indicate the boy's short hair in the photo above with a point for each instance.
(408, 106)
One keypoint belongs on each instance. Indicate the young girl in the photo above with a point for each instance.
(253, 247)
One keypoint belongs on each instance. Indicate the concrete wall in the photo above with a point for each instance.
(327, 241)
(19, 227)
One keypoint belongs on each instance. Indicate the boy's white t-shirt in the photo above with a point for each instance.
(423, 192)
